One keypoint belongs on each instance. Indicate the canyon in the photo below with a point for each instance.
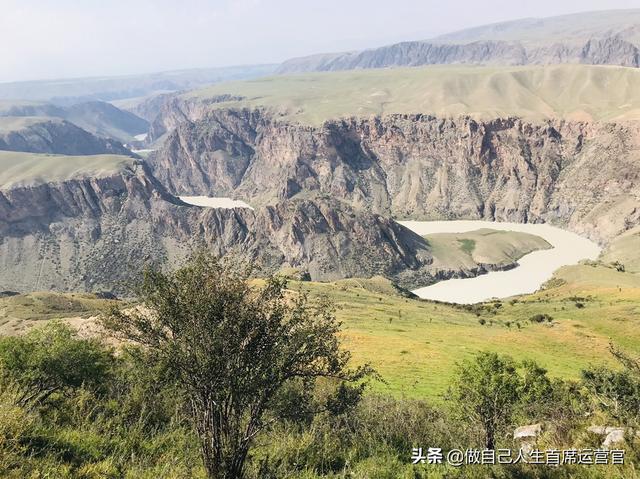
(330, 163)
(583, 176)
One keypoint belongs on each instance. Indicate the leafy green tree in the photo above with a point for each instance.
(233, 347)
(49, 360)
(535, 392)
(486, 392)
(616, 392)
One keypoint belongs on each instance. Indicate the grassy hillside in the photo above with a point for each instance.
(625, 250)
(486, 246)
(28, 108)
(104, 119)
(30, 168)
(10, 124)
(416, 344)
(578, 92)
(21, 312)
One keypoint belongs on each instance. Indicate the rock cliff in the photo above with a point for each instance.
(94, 232)
(52, 135)
(580, 175)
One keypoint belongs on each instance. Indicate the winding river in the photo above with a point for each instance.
(533, 270)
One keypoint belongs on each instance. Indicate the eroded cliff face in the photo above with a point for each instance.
(51, 135)
(97, 233)
(583, 176)
(171, 110)
(608, 50)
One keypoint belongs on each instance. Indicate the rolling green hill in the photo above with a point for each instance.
(484, 246)
(416, 344)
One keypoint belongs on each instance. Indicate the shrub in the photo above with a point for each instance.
(52, 360)
(541, 318)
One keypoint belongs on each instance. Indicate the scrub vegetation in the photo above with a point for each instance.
(406, 373)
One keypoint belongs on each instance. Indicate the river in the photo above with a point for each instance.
(214, 202)
(533, 270)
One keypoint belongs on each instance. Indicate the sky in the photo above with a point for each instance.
(45, 39)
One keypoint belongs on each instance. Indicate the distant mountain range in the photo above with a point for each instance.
(70, 91)
(597, 38)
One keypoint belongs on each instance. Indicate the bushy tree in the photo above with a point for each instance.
(492, 390)
(616, 392)
(49, 360)
(233, 347)
(486, 392)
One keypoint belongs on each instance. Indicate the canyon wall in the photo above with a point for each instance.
(584, 176)
(97, 233)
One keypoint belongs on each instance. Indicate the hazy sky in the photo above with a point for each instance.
(71, 38)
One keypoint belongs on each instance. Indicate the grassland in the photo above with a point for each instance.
(624, 249)
(31, 168)
(486, 246)
(415, 344)
(21, 312)
(579, 92)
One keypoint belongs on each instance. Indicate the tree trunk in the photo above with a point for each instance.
(223, 458)
(490, 439)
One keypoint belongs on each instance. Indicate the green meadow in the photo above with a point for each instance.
(415, 344)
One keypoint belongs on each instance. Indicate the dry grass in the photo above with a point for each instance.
(32, 168)
(579, 92)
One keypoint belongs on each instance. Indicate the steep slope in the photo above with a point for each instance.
(584, 176)
(610, 37)
(74, 223)
(99, 118)
(53, 135)
(148, 107)
(105, 120)
(30, 108)
(625, 251)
